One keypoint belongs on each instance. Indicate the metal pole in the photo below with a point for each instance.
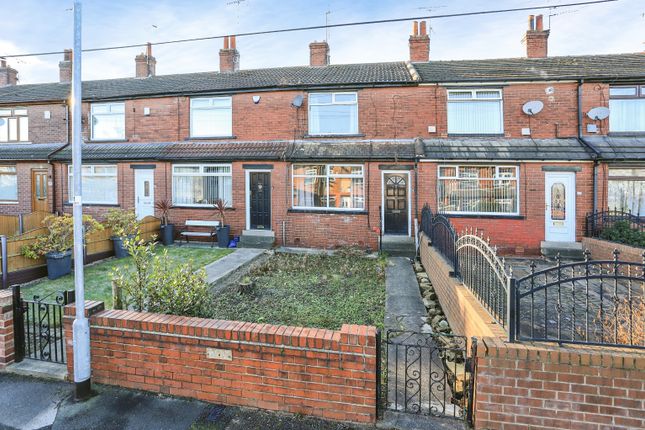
(5, 263)
(81, 328)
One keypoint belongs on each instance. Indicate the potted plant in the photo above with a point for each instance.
(167, 230)
(224, 230)
(124, 225)
(56, 245)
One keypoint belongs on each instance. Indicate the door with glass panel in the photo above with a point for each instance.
(395, 212)
(560, 208)
(39, 190)
(144, 192)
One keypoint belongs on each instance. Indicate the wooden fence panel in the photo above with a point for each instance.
(9, 225)
(150, 227)
(33, 221)
(98, 242)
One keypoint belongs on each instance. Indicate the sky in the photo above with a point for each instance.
(46, 25)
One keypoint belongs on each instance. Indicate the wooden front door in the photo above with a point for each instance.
(39, 201)
(260, 200)
(396, 203)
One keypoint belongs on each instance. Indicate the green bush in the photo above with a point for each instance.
(622, 232)
(59, 236)
(123, 223)
(155, 283)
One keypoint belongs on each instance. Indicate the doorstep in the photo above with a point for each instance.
(257, 239)
(39, 369)
(398, 245)
(570, 250)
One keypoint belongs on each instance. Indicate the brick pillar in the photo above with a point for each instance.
(319, 54)
(6, 329)
(91, 307)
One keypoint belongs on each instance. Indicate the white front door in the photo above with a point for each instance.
(144, 192)
(560, 213)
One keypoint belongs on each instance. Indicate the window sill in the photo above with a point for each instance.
(4, 142)
(192, 138)
(207, 207)
(332, 136)
(484, 216)
(8, 202)
(626, 134)
(106, 205)
(327, 211)
(476, 135)
(108, 141)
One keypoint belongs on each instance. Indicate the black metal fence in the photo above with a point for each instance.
(598, 221)
(442, 234)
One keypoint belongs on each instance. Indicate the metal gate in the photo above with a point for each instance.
(428, 374)
(38, 326)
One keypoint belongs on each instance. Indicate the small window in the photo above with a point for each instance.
(99, 184)
(108, 121)
(14, 125)
(336, 187)
(333, 113)
(475, 112)
(627, 109)
(211, 117)
(201, 184)
(627, 190)
(8, 184)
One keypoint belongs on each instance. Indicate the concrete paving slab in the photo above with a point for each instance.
(218, 270)
(39, 369)
(29, 403)
(403, 304)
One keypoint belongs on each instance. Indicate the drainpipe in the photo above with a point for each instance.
(594, 187)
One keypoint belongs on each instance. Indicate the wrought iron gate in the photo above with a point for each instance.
(428, 374)
(38, 326)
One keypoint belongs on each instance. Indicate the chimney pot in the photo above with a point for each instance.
(319, 54)
(229, 57)
(538, 23)
(422, 30)
(531, 22)
(415, 28)
(536, 38)
(226, 42)
(233, 45)
(419, 44)
(145, 63)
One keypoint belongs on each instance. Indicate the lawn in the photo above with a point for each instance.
(98, 284)
(310, 290)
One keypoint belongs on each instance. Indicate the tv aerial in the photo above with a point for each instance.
(598, 113)
(533, 107)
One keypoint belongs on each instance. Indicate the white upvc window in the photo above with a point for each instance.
(475, 111)
(201, 185)
(626, 189)
(100, 184)
(107, 121)
(211, 117)
(333, 113)
(14, 125)
(627, 109)
(328, 186)
(8, 184)
(478, 190)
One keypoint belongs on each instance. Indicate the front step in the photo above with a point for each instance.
(39, 369)
(398, 246)
(263, 239)
(568, 250)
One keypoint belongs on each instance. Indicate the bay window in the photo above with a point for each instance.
(8, 184)
(201, 184)
(108, 121)
(475, 111)
(14, 125)
(99, 184)
(328, 186)
(627, 109)
(488, 190)
(627, 190)
(333, 113)
(211, 117)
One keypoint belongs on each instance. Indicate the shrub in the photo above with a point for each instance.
(622, 232)
(123, 223)
(59, 236)
(156, 283)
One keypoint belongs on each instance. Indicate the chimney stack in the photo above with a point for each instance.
(536, 38)
(145, 63)
(8, 75)
(319, 54)
(65, 67)
(229, 57)
(419, 43)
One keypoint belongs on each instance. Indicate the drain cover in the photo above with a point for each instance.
(215, 413)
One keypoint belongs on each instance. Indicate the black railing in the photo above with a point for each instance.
(596, 302)
(484, 273)
(596, 222)
(426, 220)
(444, 240)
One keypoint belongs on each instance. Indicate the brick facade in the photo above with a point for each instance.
(325, 373)
(604, 250)
(24, 173)
(7, 349)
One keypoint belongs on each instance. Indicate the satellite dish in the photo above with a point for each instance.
(598, 113)
(533, 107)
(297, 101)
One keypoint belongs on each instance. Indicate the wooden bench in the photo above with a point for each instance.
(212, 234)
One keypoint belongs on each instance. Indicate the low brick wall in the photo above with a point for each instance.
(604, 250)
(6, 329)
(462, 309)
(544, 386)
(325, 373)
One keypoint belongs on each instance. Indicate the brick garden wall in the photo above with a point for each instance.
(6, 329)
(604, 250)
(325, 373)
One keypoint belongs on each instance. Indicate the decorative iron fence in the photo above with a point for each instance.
(596, 222)
(426, 220)
(484, 273)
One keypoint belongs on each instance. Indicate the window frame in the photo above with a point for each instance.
(327, 175)
(230, 108)
(94, 105)
(639, 95)
(17, 117)
(473, 98)
(15, 174)
(70, 185)
(200, 174)
(333, 103)
(496, 178)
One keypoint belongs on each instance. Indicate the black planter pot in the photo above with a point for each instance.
(58, 264)
(223, 236)
(119, 248)
(167, 234)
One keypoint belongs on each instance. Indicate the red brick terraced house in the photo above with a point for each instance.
(325, 155)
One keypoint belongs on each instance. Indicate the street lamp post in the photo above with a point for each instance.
(81, 327)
